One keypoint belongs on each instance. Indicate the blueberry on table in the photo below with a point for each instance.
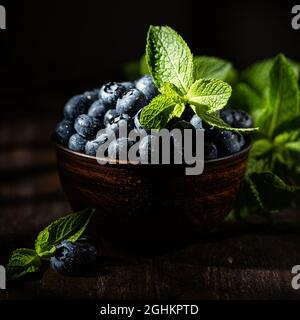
(63, 131)
(97, 110)
(72, 257)
(119, 148)
(196, 122)
(210, 151)
(109, 116)
(87, 126)
(121, 122)
(77, 143)
(110, 93)
(147, 86)
(75, 106)
(92, 146)
(92, 94)
(128, 85)
(229, 142)
(131, 102)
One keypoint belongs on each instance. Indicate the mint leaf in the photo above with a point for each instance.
(260, 148)
(213, 94)
(143, 66)
(215, 121)
(169, 58)
(272, 191)
(160, 110)
(284, 102)
(178, 110)
(269, 92)
(213, 68)
(22, 262)
(68, 228)
(293, 146)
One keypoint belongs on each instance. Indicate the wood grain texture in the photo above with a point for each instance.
(251, 261)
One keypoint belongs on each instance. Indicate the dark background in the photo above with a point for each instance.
(54, 49)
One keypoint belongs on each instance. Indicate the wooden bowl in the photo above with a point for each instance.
(153, 202)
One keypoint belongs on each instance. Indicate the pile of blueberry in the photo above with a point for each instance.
(118, 104)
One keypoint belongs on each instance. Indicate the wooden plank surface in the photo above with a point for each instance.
(236, 262)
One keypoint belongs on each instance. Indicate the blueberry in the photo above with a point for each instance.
(128, 85)
(148, 146)
(120, 122)
(146, 85)
(138, 125)
(210, 151)
(77, 143)
(86, 126)
(110, 93)
(210, 132)
(177, 123)
(227, 116)
(92, 94)
(76, 106)
(63, 131)
(97, 110)
(109, 116)
(236, 118)
(241, 119)
(187, 114)
(92, 146)
(70, 258)
(119, 148)
(196, 121)
(229, 142)
(131, 102)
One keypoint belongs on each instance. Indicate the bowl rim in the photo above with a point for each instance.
(217, 161)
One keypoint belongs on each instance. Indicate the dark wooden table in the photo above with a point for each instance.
(252, 261)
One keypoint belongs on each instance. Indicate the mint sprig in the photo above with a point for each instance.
(69, 228)
(173, 69)
(24, 261)
(169, 58)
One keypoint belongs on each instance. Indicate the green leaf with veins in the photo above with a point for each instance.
(215, 121)
(210, 93)
(160, 110)
(270, 191)
(22, 262)
(283, 94)
(143, 66)
(214, 68)
(269, 92)
(69, 228)
(169, 58)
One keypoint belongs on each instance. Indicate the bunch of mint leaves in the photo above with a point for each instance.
(71, 227)
(269, 91)
(183, 83)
